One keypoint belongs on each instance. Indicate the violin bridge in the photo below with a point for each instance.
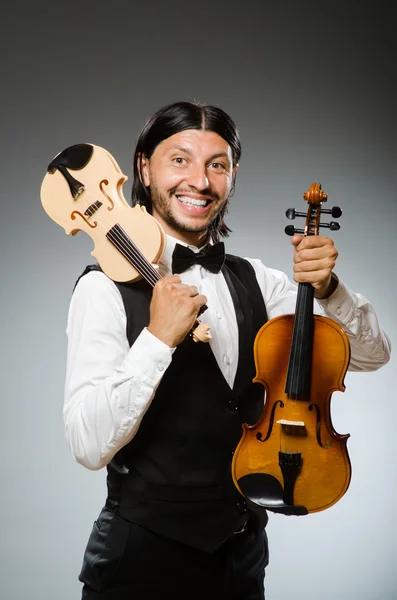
(91, 210)
(297, 428)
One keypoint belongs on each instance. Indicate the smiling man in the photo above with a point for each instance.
(164, 413)
(190, 176)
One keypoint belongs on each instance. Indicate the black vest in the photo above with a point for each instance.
(174, 477)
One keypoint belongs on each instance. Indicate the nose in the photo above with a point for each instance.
(197, 177)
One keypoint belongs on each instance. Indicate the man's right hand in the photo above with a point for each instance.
(174, 309)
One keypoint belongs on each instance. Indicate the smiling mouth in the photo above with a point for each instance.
(199, 203)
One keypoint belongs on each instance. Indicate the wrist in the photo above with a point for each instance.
(330, 289)
(163, 336)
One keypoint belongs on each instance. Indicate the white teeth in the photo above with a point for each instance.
(193, 201)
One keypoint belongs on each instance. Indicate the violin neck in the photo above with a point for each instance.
(300, 359)
(119, 238)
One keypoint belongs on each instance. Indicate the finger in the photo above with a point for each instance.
(186, 290)
(314, 241)
(191, 290)
(200, 300)
(313, 277)
(180, 286)
(296, 239)
(169, 281)
(322, 253)
(314, 265)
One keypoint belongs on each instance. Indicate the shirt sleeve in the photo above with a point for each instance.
(370, 346)
(109, 386)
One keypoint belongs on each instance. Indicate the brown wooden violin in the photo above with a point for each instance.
(82, 190)
(292, 461)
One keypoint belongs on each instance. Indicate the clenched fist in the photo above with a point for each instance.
(314, 260)
(173, 309)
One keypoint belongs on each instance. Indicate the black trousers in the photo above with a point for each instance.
(125, 561)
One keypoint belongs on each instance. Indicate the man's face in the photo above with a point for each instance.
(190, 175)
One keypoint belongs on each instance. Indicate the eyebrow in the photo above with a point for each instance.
(181, 149)
(223, 154)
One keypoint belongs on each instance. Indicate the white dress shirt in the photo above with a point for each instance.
(110, 385)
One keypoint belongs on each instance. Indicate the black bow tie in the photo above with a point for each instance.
(211, 258)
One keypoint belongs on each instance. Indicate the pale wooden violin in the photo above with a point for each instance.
(82, 191)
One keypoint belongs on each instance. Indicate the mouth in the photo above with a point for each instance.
(193, 203)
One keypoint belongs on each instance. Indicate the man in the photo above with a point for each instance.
(164, 413)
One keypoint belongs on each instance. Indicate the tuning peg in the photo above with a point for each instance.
(291, 230)
(291, 213)
(335, 211)
(332, 226)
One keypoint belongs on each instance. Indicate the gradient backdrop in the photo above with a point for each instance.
(312, 87)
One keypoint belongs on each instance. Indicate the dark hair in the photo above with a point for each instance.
(171, 119)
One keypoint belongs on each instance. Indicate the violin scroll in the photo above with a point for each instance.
(315, 194)
(315, 197)
(201, 333)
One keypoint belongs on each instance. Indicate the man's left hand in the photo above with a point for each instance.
(314, 259)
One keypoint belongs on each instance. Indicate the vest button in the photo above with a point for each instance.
(233, 405)
(241, 507)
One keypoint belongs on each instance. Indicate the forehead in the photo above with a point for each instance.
(198, 142)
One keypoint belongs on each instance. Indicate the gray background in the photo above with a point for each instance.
(312, 88)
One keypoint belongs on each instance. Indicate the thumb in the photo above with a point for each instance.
(296, 239)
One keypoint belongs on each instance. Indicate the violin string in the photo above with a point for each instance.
(302, 359)
(125, 250)
(130, 250)
(83, 206)
(131, 253)
(298, 362)
(142, 265)
(145, 267)
(293, 365)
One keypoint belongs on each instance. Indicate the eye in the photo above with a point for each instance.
(217, 166)
(179, 160)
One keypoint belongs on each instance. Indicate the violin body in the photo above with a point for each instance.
(292, 461)
(98, 206)
(291, 426)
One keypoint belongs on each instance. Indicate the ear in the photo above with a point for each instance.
(143, 169)
(233, 181)
(234, 175)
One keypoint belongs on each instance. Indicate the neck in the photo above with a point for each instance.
(192, 238)
(197, 239)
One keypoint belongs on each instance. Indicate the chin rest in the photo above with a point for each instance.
(266, 491)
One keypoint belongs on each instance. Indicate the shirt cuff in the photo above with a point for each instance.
(341, 304)
(150, 357)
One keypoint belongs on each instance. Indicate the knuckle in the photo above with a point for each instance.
(330, 263)
(296, 259)
(163, 284)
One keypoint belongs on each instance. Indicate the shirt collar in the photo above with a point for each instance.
(166, 260)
